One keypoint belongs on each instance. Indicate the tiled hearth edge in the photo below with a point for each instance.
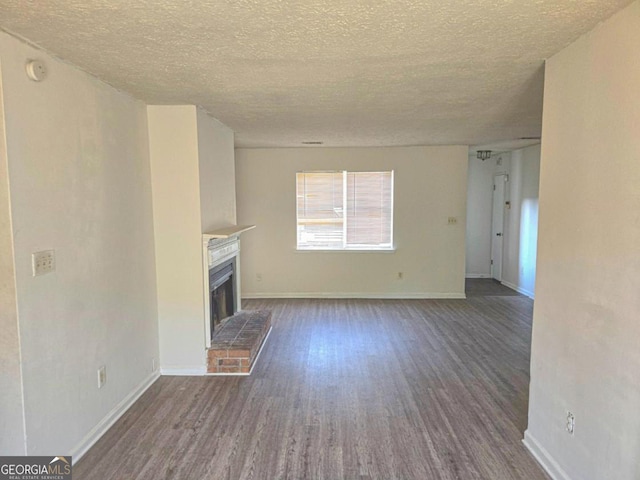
(237, 344)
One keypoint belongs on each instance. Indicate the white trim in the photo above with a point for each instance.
(505, 198)
(544, 458)
(518, 289)
(112, 417)
(184, 370)
(227, 232)
(477, 275)
(252, 365)
(221, 374)
(390, 296)
(347, 250)
(205, 299)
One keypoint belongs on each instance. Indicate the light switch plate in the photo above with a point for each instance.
(43, 262)
(102, 375)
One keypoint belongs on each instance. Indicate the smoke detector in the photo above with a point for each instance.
(36, 70)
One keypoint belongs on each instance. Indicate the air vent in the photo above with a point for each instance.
(312, 143)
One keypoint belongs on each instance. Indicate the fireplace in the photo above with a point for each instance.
(221, 293)
(222, 283)
(221, 270)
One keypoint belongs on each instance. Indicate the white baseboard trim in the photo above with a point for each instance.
(518, 289)
(543, 457)
(389, 296)
(184, 370)
(478, 275)
(112, 417)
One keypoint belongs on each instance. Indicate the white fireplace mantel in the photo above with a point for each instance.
(227, 232)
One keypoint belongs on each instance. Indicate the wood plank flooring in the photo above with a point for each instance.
(353, 389)
(483, 287)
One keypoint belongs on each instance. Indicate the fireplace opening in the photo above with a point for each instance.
(222, 293)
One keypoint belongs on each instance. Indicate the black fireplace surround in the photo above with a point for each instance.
(222, 292)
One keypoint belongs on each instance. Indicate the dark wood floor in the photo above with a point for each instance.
(483, 287)
(353, 389)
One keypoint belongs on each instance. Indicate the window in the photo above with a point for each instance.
(345, 210)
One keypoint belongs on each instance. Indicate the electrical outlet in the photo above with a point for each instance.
(258, 277)
(102, 375)
(571, 423)
(452, 221)
(400, 275)
(153, 365)
(43, 262)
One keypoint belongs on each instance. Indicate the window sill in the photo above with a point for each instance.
(346, 250)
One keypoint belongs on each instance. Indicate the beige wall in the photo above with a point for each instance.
(80, 184)
(586, 327)
(430, 186)
(12, 440)
(173, 140)
(217, 173)
(192, 169)
(521, 222)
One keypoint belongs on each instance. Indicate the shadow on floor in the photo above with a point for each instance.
(487, 287)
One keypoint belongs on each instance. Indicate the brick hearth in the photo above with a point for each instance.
(235, 346)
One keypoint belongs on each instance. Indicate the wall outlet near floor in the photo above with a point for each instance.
(153, 365)
(571, 423)
(102, 375)
(43, 262)
(258, 277)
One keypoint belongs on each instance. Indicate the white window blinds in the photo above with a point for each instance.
(344, 210)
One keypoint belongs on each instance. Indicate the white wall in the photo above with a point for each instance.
(79, 182)
(479, 212)
(12, 440)
(430, 186)
(586, 328)
(217, 173)
(521, 222)
(173, 140)
(192, 168)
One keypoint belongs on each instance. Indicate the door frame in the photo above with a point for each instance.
(497, 268)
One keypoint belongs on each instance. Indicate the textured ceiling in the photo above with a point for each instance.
(504, 146)
(346, 72)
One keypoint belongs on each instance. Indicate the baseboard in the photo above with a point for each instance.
(389, 296)
(184, 370)
(112, 417)
(543, 457)
(478, 275)
(518, 289)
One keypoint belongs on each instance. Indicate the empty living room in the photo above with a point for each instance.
(320, 240)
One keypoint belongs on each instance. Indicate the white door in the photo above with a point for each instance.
(497, 225)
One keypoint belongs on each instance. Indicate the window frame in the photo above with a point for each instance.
(361, 248)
